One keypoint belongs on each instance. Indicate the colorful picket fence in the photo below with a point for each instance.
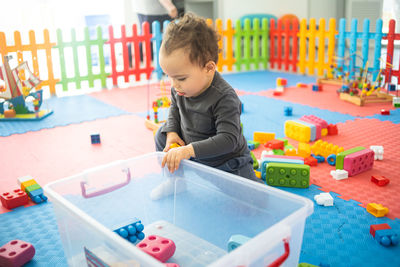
(280, 45)
(33, 48)
(74, 44)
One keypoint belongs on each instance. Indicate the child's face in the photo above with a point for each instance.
(188, 79)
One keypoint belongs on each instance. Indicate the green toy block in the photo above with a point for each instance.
(32, 188)
(288, 175)
(278, 152)
(255, 143)
(285, 141)
(340, 157)
(255, 161)
(303, 264)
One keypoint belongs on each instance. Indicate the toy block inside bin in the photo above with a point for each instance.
(159, 247)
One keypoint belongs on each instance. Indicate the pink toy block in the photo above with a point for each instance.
(318, 122)
(172, 265)
(359, 162)
(14, 199)
(16, 253)
(159, 247)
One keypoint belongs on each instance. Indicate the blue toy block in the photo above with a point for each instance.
(37, 196)
(251, 146)
(131, 232)
(315, 87)
(236, 241)
(95, 138)
(319, 158)
(288, 111)
(391, 87)
(331, 159)
(386, 237)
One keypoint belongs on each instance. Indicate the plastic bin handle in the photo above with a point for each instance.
(108, 189)
(285, 255)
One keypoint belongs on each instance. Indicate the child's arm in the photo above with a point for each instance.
(170, 7)
(175, 155)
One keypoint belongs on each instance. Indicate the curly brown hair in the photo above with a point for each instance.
(192, 32)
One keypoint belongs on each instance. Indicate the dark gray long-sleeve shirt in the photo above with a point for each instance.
(210, 122)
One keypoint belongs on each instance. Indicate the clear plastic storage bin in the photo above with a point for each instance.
(198, 207)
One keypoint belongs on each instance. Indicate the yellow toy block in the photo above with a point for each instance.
(325, 149)
(324, 132)
(263, 137)
(174, 145)
(258, 174)
(27, 183)
(377, 209)
(297, 131)
(304, 150)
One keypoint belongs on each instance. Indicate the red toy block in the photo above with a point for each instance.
(172, 265)
(311, 161)
(375, 227)
(14, 199)
(379, 180)
(159, 247)
(332, 129)
(16, 253)
(385, 112)
(275, 144)
(359, 162)
(277, 93)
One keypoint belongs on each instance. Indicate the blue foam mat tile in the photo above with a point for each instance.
(66, 110)
(255, 81)
(36, 225)
(266, 114)
(339, 235)
(393, 117)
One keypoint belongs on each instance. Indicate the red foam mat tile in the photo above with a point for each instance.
(52, 154)
(327, 99)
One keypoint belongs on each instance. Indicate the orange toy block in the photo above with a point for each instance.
(263, 137)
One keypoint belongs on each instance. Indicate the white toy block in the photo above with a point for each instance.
(324, 199)
(339, 174)
(280, 89)
(266, 153)
(378, 152)
(24, 179)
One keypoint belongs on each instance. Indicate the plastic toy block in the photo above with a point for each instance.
(267, 152)
(256, 144)
(379, 180)
(332, 129)
(32, 187)
(13, 199)
(391, 87)
(23, 179)
(288, 111)
(359, 162)
(318, 122)
(385, 112)
(288, 175)
(331, 159)
(159, 247)
(316, 87)
(278, 152)
(304, 150)
(301, 85)
(95, 138)
(279, 89)
(281, 82)
(378, 152)
(16, 253)
(312, 127)
(325, 149)
(276, 93)
(377, 209)
(174, 145)
(37, 196)
(339, 174)
(131, 232)
(258, 174)
(375, 227)
(275, 144)
(290, 152)
(324, 199)
(311, 161)
(324, 132)
(304, 264)
(263, 137)
(386, 237)
(236, 241)
(285, 141)
(340, 157)
(25, 184)
(255, 161)
(251, 146)
(297, 131)
(169, 264)
(319, 158)
(277, 159)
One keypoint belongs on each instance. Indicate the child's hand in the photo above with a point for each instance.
(172, 137)
(175, 155)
